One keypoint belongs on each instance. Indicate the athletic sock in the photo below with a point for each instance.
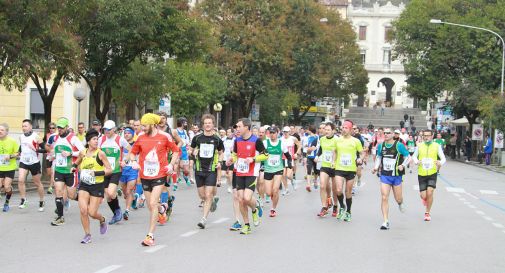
(8, 197)
(138, 189)
(164, 197)
(348, 202)
(341, 200)
(115, 203)
(59, 206)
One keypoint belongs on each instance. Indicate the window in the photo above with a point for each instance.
(399, 93)
(387, 57)
(363, 56)
(362, 33)
(387, 33)
(36, 109)
(373, 92)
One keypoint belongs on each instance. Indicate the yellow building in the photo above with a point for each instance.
(17, 105)
(338, 5)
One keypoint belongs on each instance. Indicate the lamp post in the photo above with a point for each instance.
(79, 95)
(437, 21)
(217, 107)
(283, 115)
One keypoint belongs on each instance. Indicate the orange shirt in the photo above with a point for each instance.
(153, 154)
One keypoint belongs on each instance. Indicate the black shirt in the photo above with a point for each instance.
(208, 147)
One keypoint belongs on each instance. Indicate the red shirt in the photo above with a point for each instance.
(153, 154)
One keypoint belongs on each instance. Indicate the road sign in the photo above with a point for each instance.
(477, 132)
(498, 139)
(164, 105)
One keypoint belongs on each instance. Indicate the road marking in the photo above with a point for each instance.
(480, 212)
(154, 249)
(189, 233)
(488, 192)
(462, 199)
(498, 225)
(416, 187)
(472, 206)
(467, 203)
(471, 195)
(487, 218)
(456, 194)
(218, 221)
(109, 268)
(453, 189)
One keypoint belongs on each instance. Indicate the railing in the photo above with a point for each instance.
(385, 67)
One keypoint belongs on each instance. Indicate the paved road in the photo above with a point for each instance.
(466, 234)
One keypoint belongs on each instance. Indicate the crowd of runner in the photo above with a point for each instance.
(145, 161)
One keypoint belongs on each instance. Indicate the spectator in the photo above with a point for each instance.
(488, 149)
(402, 124)
(405, 117)
(468, 147)
(452, 146)
(370, 126)
(382, 109)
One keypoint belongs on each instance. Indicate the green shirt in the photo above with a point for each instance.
(274, 163)
(8, 147)
(328, 148)
(440, 142)
(347, 149)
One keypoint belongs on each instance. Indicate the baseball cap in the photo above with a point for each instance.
(109, 124)
(376, 130)
(62, 122)
(286, 129)
(397, 131)
(96, 122)
(273, 129)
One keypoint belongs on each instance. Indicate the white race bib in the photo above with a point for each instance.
(206, 150)
(4, 160)
(61, 161)
(28, 159)
(427, 163)
(112, 162)
(242, 166)
(346, 160)
(151, 169)
(388, 164)
(88, 177)
(328, 157)
(319, 165)
(274, 160)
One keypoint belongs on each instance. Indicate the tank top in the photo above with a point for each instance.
(88, 166)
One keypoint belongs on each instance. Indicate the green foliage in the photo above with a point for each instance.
(492, 110)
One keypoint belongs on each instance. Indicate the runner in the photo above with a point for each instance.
(274, 166)
(50, 156)
(431, 156)
(97, 125)
(394, 158)
(247, 150)
(152, 148)
(8, 152)
(30, 143)
(81, 133)
(66, 147)
(357, 135)
(93, 166)
(261, 177)
(182, 134)
(312, 171)
(129, 176)
(411, 147)
(294, 147)
(207, 148)
(228, 149)
(348, 148)
(113, 146)
(327, 155)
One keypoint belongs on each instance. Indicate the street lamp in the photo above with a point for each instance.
(217, 107)
(79, 95)
(283, 115)
(437, 21)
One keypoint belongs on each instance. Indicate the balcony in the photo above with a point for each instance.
(385, 68)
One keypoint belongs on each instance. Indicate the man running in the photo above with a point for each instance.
(294, 147)
(181, 133)
(261, 177)
(228, 149)
(113, 146)
(327, 155)
(66, 147)
(207, 148)
(8, 152)
(30, 143)
(394, 159)
(312, 171)
(348, 148)
(428, 154)
(248, 149)
(152, 147)
(129, 176)
(50, 156)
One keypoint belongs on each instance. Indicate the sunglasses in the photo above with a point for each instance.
(426, 135)
(387, 133)
(52, 128)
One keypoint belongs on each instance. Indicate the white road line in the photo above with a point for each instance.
(218, 221)
(154, 249)
(452, 189)
(471, 195)
(456, 194)
(467, 203)
(462, 199)
(189, 233)
(498, 225)
(480, 212)
(487, 218)
(415, 187)
(109, 268)
(488, 192)
(472, 206)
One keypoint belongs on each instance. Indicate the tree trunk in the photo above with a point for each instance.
(297, 118)
(98, 91)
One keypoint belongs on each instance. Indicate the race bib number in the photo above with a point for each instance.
(4, 160)
(427, 163)
(206, 150)
(274, 160)
(28, 159)
(242, 166)
(61, 161)
(328, 157)
(346, 160)
(151, 169)
(112, 162)
(388, 164)
(319, 165)
(88, 177)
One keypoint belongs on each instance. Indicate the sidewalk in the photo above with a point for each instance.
(492, 167)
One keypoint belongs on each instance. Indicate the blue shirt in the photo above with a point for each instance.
(312, 142)
(399, 147)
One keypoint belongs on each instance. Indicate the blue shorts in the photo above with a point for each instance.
(391, 180)
(184, 154)
(128, 176)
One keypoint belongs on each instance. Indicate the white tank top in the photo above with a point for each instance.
(29, 146)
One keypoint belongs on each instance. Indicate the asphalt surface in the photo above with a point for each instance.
(466, 234)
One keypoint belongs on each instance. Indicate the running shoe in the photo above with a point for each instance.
(236, 226)
(401, 207)
(385, 226)
(50, 190)
(323, 212)
(286, 192)
(41, 206)
(188, 182)
(256, 218)
(213, 206)
(58, 221)
(148, 241)
(202, 223)
(308, 188)
(119, 192)
(23, 204)
(115, 218)
(273, 213)
(6, 207)
(175, 186)
(334, 213)
(86, 239)
(142, 202)
(347, 217)
(126, 215)
(427, 216)
(162, 219)
(103, 227)
(341, 214)
(259, 208)
(246, 229)
(353, 190)
(135, 199)
(229, 189)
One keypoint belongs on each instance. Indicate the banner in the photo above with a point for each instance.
(498, 139)
(165, 105)
(477, 132)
